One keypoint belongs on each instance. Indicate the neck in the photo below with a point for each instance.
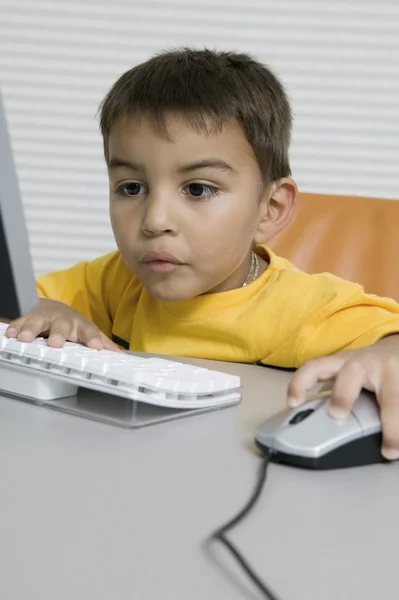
(257, 267)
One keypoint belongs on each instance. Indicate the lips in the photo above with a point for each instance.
(159, 257)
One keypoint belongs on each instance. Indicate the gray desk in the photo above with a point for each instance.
(92, 512)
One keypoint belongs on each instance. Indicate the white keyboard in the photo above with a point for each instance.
(36, 371)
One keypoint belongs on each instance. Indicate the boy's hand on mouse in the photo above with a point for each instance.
(374, 368)
(60, 323)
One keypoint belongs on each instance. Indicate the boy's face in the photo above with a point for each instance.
(185, 211)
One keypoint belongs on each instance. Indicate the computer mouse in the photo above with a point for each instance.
(308, 437)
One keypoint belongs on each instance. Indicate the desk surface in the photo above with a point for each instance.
(93, 512)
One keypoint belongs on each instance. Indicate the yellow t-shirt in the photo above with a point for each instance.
(283, 318)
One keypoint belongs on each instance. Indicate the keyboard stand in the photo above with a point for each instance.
(113, 410)
(77, 392)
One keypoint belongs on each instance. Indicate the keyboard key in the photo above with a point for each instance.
(77, 360)
(16, 347)
(3, 342)
(45, 353)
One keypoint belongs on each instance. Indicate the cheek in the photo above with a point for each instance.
(123, 223)
(223, 239)
(116, 221)
(238, 224)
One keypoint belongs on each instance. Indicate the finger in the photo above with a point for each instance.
(306, 377)
(327, 386)
(14, 327)
(90, 336)
(12, 331)
(346, 389)
(32, 327)
(60, 332)
(388, 398)
(109, 344)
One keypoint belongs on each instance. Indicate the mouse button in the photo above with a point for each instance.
(272, 428)
(367, 413)
(317, 435)
(301, 416)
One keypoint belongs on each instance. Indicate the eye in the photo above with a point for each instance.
(131, 189)
(201, 190)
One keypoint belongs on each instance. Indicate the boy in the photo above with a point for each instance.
(196, 144)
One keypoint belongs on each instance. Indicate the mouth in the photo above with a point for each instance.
(160, 261)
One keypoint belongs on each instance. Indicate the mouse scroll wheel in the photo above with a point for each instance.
(300, 416)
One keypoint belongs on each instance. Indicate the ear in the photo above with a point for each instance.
(276, 209)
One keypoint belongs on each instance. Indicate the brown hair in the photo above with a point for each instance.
(206, 85)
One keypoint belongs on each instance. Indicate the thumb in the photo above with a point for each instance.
(109, 344)
(89, 335)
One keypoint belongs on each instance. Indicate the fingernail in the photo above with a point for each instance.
(11, 331)
(293, 402)
(390, 453)
(338, 413)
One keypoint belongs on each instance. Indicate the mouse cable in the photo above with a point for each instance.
(220, 534)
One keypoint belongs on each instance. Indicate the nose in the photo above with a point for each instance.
(159, 215)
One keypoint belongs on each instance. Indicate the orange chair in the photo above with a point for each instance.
(355, 238)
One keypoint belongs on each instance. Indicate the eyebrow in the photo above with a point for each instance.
(115, 163)
(205, 163)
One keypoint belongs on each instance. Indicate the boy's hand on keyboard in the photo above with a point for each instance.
(60, 323)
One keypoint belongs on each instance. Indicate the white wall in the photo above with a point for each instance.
(339, 61)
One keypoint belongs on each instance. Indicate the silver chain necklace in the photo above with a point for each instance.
(253, 271)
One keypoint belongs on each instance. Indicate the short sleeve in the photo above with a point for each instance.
(363, 320)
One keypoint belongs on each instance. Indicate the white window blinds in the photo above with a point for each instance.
(339, 62)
